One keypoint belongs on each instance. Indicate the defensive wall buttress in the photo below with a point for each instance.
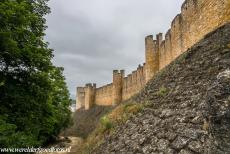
(197, 18)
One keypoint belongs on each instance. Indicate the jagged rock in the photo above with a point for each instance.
(174, 123)
(171, 136)
(162, 145)
(167, 113)
(185, 152)
(170, 151)
(148, 149)
(142, 139)
(195, 146)
(197, 120)
(218, 113)
(180, 142)
(190, 133)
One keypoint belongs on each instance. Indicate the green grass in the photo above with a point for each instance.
(162, 91)
(108, 124)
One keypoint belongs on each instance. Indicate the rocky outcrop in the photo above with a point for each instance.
(189, 105)
(218, 113)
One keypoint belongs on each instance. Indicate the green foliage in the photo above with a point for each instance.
(106, 123)
(132, 108)
(162, 91)
(34, 99)
(1, 83)
(119, 115)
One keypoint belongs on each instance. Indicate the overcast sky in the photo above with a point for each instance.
(91, 38)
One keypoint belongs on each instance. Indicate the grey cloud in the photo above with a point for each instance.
(90, 38)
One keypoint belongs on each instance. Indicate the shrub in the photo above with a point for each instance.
(162, 91)
(106, 123)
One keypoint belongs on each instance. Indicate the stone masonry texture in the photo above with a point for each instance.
(192, 114)
(197, 18)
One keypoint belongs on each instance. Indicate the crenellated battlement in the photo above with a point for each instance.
(189, 6)
(197, 18)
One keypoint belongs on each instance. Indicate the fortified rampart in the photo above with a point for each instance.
(197, 18)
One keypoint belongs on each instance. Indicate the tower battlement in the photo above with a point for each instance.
(197, 18)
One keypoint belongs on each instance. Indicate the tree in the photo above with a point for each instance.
(34, 99)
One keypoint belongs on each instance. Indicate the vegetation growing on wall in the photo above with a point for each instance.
(108, 124)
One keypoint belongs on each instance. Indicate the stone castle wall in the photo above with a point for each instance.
(80, 97)
(197, 18)
(104, 95)
(133, 83)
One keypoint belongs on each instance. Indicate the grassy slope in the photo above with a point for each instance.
(109, 123)
(178, 113)
(85, 121)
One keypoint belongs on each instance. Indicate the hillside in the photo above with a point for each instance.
(85, 121)
(188, 105)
